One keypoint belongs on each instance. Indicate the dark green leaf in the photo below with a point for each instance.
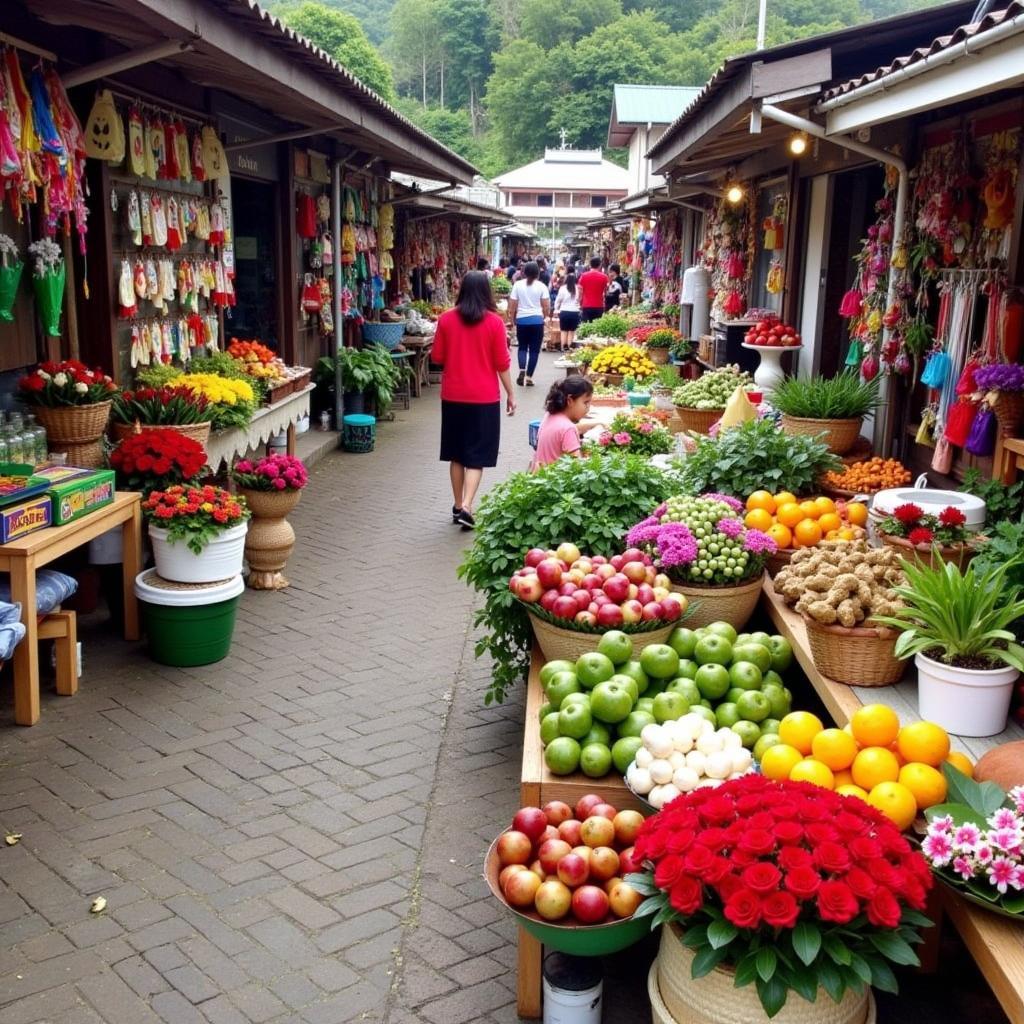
(804, 981)
(721, 933)
(772, 994)
(882, 977)
(650, 906)
(706, 960)
(642, 882)
(767, 961)
(859, 967)
(806, 941)
(746, 970)
(831, 980)
(1014, 904)
(695, 936)
(837, 950)
(892, 946)
(915, 919)
(667, 913)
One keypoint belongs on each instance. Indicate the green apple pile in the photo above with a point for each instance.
(711, 390)
(598, 706)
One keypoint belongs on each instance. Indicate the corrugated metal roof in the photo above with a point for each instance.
(557, 172)
(650, 104)
(940, 43)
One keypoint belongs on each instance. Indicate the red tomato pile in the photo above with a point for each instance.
(774, 333)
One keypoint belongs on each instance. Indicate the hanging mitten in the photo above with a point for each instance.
(153, 284)
(159, 218)
(326, 313)
(139, 279)
(126, 292)
(136, 143)
(198, 166)
(134, 218)
(171, 149)
(216, 236)
(202, 229)
(136, 352)
(173, 227)
(146, 217)
(182, 151)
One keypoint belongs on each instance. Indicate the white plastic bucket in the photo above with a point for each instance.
(221, 559)
(572, 990)
(107, 548)
(965, 702)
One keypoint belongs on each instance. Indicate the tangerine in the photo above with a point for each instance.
(759, 519)
(762, 500)
(830, 522)
(895, 801)
(782, 535)
(809, 509)
(843, 777)
(834, 748)
(849, 789)
(809, 770)
(961, 762)
(857, 513)
(784, 498)
(927, 784)
(875, 725)
(925, 742)
(789, 514)
(874, 765)
(845, 534)
(825, 505)
(798, 729)
(778, 761)
(807, 533)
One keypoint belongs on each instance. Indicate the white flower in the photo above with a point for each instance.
(43, 374)
(60, 379)
(81, 388)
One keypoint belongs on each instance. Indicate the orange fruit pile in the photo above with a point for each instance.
(897, 770)
(795, 523)
(870, 475)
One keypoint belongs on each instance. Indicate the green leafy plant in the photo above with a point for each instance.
(959, 618)
(667, 378)
(844, 397)
(501, 285)
(756, 456)
(671, 313)
(158, 376)
(1002, 502)
(638, 433)
(664, 337)
(611, 325)
(1002, 546)
(681, 348)
(590, 501)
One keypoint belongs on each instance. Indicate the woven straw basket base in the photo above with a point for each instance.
(930, 558)
(857, 657)
(734, 605)
(676, 998)
(840, 435)
(85, 456)
(697, 420)
(556, 643)
(73, 424)
(197, 431)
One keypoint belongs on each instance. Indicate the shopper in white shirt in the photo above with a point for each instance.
(567, 306)
(529, 306)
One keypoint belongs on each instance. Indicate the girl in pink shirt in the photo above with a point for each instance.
(567, 403)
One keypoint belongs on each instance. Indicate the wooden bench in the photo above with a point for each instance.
(62, 628)
(1010, 459)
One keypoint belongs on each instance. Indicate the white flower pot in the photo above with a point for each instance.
(107, 548)
(966, 702)
(220, 559)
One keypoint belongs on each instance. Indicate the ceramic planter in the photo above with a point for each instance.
(221, 559)
(270, 540)
(967, 702)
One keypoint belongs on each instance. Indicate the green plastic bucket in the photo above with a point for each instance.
(187, 624)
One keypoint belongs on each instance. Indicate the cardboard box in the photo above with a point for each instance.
(80, 492)
(26, 517)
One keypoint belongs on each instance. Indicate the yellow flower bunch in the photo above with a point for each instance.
(625, 359)
(218, 390)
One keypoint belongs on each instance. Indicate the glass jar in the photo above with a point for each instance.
(38, 434)
(15, 446)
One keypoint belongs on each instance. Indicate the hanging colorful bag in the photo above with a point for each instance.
(855, 353)
(966, 385)
(851, 304)
(926, 431)
(982, 438)
(942, 460)
(936, 370)
(311, 301)
(11, 266)
(49, 289)
(305, 216)
(959, 422)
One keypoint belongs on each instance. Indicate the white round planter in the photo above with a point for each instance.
(220, 559)
(966, 702)
(769, 372)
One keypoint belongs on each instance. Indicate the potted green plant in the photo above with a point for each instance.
(958, 628)
(834, 407)
(659, 344)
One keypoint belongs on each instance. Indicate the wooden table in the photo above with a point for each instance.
(21, 558)
(420, 345)
(996, 943)
(537, 786)
(1009, 458)
(224, 446)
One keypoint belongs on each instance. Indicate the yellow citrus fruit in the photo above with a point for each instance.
(789, 514)
(927, 784)
(845, 534)
(784, 498)
(875, 725)
(925, 742)
(798, 729)
(782, 535)
(758, 519)
(830, 522)
(762, 500)
(961, 762)
(895, 801)
(825, 505)
(857, 513)
(807, 533)
(834, 748)
(844, 777)
(778, 760)
(851, 790)
(809, 509)
(809, 770)
(874, 765)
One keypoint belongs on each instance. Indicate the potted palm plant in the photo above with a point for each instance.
(957, 626)
(834, 407)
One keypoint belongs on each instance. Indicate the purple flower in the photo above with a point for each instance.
(622, 438)
(736, 506)
(676, 545)
(759, 543)
(1000, 377)
(644, 532)
(732, 528)
(663, 508)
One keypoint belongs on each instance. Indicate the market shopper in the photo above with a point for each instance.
(567, 403)
(470, 345)
(613, 293)
(528, 307)
(593, 284)
(567, 309)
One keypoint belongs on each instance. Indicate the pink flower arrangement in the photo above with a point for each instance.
(272, 473)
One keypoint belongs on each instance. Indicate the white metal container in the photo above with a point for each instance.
(221, 558)
(572, 989)
(965, 702)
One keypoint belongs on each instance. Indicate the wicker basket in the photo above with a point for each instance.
(88, 455)
(556, 643)
(658, 356)
(197, 431)
(698, 420)
(778, 561)
(733, 604)
(73, 424)
(840, 435)
(677, 998)
(928, 557)
(862, 656)
(1009, 410)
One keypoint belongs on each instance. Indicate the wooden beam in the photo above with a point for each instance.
(768, 78)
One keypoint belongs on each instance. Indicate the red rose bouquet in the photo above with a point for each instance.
(70, 382)
(911, 523)
(194, 514)
(272, 473)
(155, 458)
(791, 885)
(155, 406)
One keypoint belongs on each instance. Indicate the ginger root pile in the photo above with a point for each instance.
(842, 583)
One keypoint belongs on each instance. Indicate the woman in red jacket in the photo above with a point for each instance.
(470, 345)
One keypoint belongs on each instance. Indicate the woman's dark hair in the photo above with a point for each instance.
(566, 388)
(570, 283)
(482, 263)
(616, 268)
(475, 298)
(530, 272)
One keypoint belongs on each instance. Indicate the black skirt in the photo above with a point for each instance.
(470, 433)
(568, 321)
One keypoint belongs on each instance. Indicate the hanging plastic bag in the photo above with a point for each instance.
(855, 353)
(942, 460)
(959, 422)
(926, 431)
(982, 438)
(936, 370)
(966, 385)
(311, 301)
(10, 278)
(49, 291)
(851, 303)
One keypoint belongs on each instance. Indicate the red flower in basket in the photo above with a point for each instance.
(155, 458)
(908, 513)
(920, 535)
(55, 385)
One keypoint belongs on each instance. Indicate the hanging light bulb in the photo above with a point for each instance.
(798, 144)
(734, 194)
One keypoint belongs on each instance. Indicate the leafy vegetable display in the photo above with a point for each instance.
(591, 502)
(844, 397)
(712, 390)
(755, 456)
(611, 325)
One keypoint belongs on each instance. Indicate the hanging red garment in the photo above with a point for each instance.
(958, 425)
(305, 216)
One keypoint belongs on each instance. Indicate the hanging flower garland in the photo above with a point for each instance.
(727, 254)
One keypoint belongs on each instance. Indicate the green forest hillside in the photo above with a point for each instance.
(497, 79)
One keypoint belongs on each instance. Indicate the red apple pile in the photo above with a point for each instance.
(566, 862)
(773, 333)
(591, 590)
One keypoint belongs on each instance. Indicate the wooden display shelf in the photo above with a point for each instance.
(995, 943)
